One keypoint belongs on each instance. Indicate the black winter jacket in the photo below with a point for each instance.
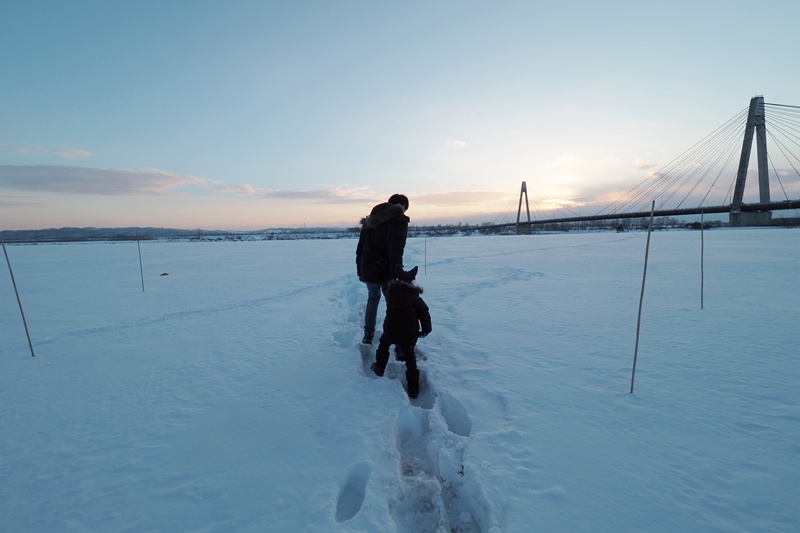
(407, 314)
(379, 255)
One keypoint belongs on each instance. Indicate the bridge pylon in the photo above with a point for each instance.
(524, 229)
(756, 123)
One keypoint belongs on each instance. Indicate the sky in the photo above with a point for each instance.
(253, 114)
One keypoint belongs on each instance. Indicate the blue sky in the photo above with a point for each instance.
(257, 114)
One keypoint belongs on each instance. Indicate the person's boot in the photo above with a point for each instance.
(381, 359)
(412, 377)
(367, 338)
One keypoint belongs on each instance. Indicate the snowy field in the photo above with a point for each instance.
(230, 394)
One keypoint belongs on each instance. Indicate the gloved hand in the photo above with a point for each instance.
(421, 335)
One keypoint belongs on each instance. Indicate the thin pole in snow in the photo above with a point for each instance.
(641, 296)
(702, 255)
(426, 254)
(19, 302)
(141, 270)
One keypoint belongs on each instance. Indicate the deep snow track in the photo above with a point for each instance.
(430, 434)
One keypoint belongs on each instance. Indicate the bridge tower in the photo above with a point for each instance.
(523, 229)
(756, 123)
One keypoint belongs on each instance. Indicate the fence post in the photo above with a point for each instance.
(141, 270)
(702, 256)
(641, 296)
(19, 302)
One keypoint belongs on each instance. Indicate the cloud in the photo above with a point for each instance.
(458, 198)
(30, 149)
(457, 144)
(564, 160)
(93, 181)
(19, 200)
(58, 151)
(71, 153)
(74, 180)
(643, 165)
(234, 188)
(335, 195)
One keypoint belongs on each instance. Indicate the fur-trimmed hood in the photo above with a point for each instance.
(406, 286)
(381, 214)
(401, 294)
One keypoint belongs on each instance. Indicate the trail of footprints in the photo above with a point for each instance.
(437, 492)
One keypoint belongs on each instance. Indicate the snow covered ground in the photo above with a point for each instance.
(230, 395)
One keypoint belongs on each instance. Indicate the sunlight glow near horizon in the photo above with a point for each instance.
(219, 116)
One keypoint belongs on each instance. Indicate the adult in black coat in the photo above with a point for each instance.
(379, 254)
(407, 319)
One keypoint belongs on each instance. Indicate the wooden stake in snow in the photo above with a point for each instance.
(141, 270)
(702, 255)
(19, 302)
(641, 296)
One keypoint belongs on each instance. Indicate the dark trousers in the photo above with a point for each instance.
(410, 358)
(382, 354)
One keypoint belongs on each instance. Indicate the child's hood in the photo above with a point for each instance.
(401, 294)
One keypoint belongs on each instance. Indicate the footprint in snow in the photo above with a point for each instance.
(343, 338)
(455, 415)
(353, 491)
(427, 396)
(412, 436)
(367, 359)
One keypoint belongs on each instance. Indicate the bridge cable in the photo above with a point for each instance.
(719, 174)
(685, 168)
(649, 185)
(777, 176)
(720, 153)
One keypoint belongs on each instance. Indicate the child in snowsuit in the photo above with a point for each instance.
(407, 318)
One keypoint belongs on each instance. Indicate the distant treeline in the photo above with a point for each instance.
(92, 234)
(442, 230)
(143, 234)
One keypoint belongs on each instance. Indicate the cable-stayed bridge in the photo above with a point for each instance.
(705, 178)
